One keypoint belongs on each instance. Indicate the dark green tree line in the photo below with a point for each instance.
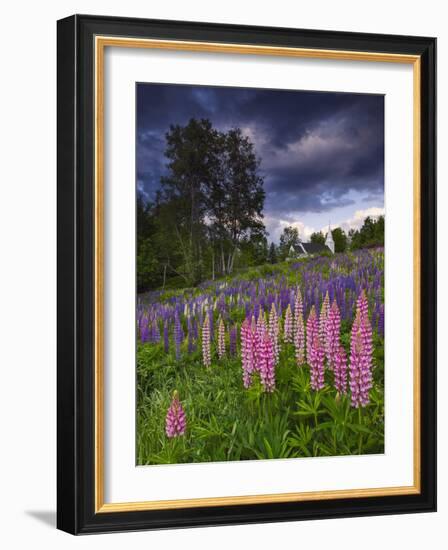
(208, 211)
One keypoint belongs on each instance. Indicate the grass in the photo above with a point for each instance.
(226, 422)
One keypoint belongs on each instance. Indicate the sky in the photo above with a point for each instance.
(321, 153)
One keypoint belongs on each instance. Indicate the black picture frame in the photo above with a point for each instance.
(76, 265)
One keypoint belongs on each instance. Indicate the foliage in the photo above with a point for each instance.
(340, 239)
(317, 237)
(208, 209)
(369, 235)
(289, 237)
(225, 421)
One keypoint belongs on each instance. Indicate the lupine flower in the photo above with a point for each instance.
(362, 304)
(312, 328)
(361, 356)
(221, 339)
(274, 331)
(381, 322)
(298, 308)
(324, 310)
(178, 335)
(288, 326)
(332, 333)
(267, 363)
(144, 331)
(206, 353)
(175, 422)
(166, 337)
(247, 352)
(317, 356)
(340, 370)
(299, 339)
(261, 324)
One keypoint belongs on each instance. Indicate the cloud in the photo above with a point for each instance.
(276, 226)
(315, 148)
(356, 221)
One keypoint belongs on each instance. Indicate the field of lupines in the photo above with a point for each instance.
(284, 361)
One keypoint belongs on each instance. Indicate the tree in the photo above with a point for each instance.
(317, 237)
(371, 233)
(272, 255)
(210, 203)
(340, 239)
(236, 197)
(193, 152)
(253, 250)
(289, 237)
(148, 273)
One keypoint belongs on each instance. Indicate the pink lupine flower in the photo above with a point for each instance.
(363, 304)
(206, 353)
(361, 349)
(261, 324)
(299, 339)
(323, 318)
(247, 352)
(317, 356)
(332, 333)
(288, 326)
(253, 324)
(340, 370)
(298, 308)
(221, 339)
(274, 331)
(175, 422)
(312, 328)
(267, 363)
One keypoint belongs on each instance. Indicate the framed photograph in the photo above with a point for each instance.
(246, 274)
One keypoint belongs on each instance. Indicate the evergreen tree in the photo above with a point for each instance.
(272, 256)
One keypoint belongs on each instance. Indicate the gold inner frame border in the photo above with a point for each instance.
(100, 43)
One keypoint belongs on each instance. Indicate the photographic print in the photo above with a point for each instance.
(260, 274)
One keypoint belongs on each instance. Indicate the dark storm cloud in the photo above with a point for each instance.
(315, 147)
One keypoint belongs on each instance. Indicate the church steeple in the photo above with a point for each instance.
(329, 240)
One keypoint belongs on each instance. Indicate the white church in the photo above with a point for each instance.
(303, 250)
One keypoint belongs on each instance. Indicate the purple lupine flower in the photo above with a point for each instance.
(381, 322)
(288, 326)
(312, 328)
(299, 339)
(221, 339)
(206, 353)
(274, 331)
(156, 333)
(144, 330)
(233, 339)
(166, 337)
(267, 363)
(340, 370)
(175, 422)
(212, 330)
(332, 334)
(178, 335)
(247, 352)
(316, 361)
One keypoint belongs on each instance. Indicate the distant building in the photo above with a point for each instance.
(303, 250)
(329, 240)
